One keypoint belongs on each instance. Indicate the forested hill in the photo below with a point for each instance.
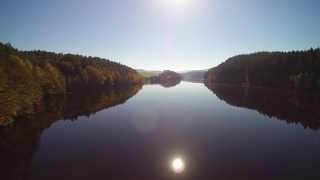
(27, 76)
(298, 70)
(166, 75)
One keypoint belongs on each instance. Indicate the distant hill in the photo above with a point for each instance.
(148, 71)
(184, 71)
(186, 74)
(193, 74)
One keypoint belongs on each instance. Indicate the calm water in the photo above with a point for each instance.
(218, 132)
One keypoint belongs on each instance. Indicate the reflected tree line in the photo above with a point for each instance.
(165, 84)
(292, 107)
(19, 140)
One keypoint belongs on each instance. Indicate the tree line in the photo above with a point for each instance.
(28, 76)
(296, 70)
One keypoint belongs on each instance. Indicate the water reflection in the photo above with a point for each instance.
(292, 107)
(165, 84)
(168, 84)
(19, 140)
(143, 139)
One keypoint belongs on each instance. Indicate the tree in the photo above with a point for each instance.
(292, 70)
(28, 76)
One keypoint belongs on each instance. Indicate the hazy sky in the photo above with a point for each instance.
(161, 34)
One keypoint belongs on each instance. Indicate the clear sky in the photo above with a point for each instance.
(161, 34)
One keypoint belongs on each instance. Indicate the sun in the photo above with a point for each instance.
(178, 166)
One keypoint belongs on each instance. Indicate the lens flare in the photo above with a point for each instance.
(178, 166)
(144, 120)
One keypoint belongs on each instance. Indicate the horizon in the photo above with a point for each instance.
(173, 35)
(180, 71)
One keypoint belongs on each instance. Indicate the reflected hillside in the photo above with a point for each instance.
(293, 107)
(169, 84)
(19, 140)
(195, 80)
(165, 84)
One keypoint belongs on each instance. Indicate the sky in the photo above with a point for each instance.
(161, 34)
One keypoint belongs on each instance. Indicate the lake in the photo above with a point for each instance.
(184, 131)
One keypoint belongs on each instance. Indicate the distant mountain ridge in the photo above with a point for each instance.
(148, 71)
(156, 71)
(186, 74)
(193, 74)
(186, 71)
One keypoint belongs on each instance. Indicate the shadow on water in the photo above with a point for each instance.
(20, 140)
(292, 107)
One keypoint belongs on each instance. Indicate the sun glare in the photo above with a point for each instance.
(178, 2)
(177, 165)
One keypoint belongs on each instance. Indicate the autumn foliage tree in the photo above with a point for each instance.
(28, 76)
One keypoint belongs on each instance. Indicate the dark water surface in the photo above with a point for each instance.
(218, 132)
